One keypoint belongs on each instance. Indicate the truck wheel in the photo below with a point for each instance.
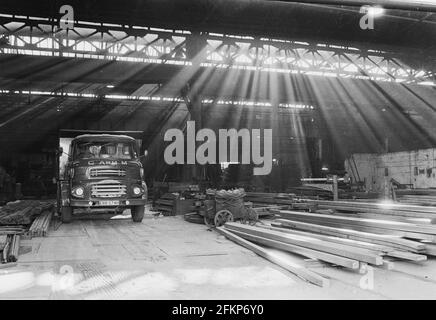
(66, 214)
(137, 213)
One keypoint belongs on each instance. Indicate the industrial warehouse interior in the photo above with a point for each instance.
(218, 150)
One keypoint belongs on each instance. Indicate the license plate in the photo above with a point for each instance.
(109, 203)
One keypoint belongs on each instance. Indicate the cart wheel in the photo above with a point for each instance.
(222, 217)
(209, 222)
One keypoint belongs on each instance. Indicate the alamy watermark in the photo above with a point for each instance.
(228, 139)
(66, 22)
(367, 280)
(366, 22)
(369, 14)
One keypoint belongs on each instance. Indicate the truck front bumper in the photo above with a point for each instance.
(104, 203)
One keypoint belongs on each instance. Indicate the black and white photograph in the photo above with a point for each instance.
(217, 154)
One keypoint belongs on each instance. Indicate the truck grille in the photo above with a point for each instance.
(95, 172)
(108, 190)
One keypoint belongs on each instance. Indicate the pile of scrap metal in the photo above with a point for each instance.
(221, 206)
(185, 190)
(171, 198)
(174, 204)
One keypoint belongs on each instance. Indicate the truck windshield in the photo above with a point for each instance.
(103, 150)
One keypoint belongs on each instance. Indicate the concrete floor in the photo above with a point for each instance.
(169, 258)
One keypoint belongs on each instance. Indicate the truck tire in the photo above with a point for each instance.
(66, 214)
(137, 213)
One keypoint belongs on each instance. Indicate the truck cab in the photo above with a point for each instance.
(102, 173)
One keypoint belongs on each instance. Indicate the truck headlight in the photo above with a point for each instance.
(137, 190)
(78, 192)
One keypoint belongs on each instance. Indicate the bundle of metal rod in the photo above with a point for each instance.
(418, 199)
(5, 251)
(4, 230)
(311, 192)
(352, 250)
(403, 229)
(392, 233)
(294, 268)
(269, 198)
(386, 240)
(40, 225)
(12, 255)
(22, 212)
(416, 191)
(346, 255)
(396, 209)
(3, 239)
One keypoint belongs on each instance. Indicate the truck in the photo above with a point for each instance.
(100, 173)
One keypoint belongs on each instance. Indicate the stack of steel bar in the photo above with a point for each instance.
(311, 192)
(14, 248)
(416, 191)
(9, 248)
(390, 209)
(5, 230)
(248, 241)
(418, 199)
(392, 232)
(22, 212)
(269, 198)
(346, 240)
(40, 225)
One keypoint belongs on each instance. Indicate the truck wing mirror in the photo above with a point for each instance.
(60, 151)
